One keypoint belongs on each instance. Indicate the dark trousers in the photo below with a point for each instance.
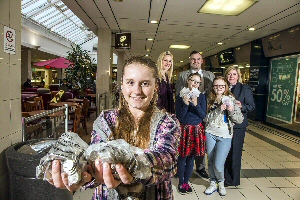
(185, 167)
(233, 162)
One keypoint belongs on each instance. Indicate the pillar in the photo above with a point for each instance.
(26, 65)
(120, 65)
(10, 87)
(104, 62)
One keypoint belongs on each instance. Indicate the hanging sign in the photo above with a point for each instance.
(9, 40)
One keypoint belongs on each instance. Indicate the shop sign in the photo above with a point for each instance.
(283, 77)
(9, 40)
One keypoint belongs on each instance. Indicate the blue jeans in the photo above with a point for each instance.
(217, 150)
(185, 167)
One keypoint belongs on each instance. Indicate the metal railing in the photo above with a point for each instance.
(47, 123)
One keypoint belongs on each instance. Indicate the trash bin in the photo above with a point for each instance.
(22, 172)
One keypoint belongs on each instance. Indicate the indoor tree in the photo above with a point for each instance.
(81, 74)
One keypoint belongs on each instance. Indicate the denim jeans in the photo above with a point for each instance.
(185, 167)
(217, 150)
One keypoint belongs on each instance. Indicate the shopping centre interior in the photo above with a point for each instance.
(263, 41)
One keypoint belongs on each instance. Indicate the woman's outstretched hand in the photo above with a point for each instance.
(103, 174)
(60, 180)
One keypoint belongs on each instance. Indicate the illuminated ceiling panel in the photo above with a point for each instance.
(56, 17)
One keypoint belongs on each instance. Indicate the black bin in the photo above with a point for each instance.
(22, 172)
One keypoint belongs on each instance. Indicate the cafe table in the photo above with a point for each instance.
(75, 100)
(60, 104)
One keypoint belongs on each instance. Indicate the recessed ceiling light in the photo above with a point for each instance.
(1, 58)
(149, 39)
(226, 7)
(42, 60)
(179, 46)
(241, 67)
(146, 55)
(220, 43)
(223, 67)
(247, 65)
(153, 21)
(251, 29)
(181, 61)
(201, 52)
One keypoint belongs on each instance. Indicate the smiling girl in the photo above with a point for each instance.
(190, 111)
(223, 113)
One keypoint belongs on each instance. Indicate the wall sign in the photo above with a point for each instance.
(9, 40)
(282, 89)
(123, 41)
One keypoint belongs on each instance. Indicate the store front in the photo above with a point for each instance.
(283, 100)
(283, 104)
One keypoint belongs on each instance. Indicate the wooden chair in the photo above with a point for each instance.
(33, 131)
(40, 102)
(74, 125)
(31, 106)
(84, 114)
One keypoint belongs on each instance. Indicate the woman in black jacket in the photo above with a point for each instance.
(244, 96)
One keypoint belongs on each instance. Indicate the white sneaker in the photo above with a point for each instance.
(211, 189)
(221, 189)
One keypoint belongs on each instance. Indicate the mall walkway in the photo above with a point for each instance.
(270, 169)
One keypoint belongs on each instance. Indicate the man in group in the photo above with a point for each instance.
(207, 78)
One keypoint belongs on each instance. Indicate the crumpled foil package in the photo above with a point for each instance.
(69, 150)
(119, 151)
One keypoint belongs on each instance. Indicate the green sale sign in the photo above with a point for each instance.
(282, 89)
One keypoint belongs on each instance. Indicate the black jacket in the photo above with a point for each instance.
(244, 94)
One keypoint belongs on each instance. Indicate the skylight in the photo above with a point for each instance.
(56, 17)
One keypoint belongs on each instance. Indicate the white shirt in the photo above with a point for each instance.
(199, 72)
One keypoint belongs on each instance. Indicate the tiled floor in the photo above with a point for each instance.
(270, 169)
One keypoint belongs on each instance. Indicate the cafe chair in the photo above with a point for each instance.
(31, 106)
(40, 101)
(73, 125)
(33, 131)
(84, 114)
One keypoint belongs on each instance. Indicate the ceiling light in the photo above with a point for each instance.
(201, 52)
(146, 55)
(223, 67)
(220, 43)
(179, 46)
(154, 22)
(251, 29)
(247, 65)
(181, 61)
(241, 67)
(149, 39)
(228, 7)
(1, 58)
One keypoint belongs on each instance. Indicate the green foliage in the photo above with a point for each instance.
(81, 74)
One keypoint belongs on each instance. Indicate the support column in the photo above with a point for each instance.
(120, 65)
(104, 62)
(26, 65)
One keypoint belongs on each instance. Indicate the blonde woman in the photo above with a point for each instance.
(165, 89)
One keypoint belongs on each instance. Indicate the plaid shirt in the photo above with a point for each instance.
(162, 154)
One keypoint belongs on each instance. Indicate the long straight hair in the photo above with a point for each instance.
(159, 65)
(213, 96)
(125, 123)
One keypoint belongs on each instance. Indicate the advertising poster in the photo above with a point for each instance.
(282, 88)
